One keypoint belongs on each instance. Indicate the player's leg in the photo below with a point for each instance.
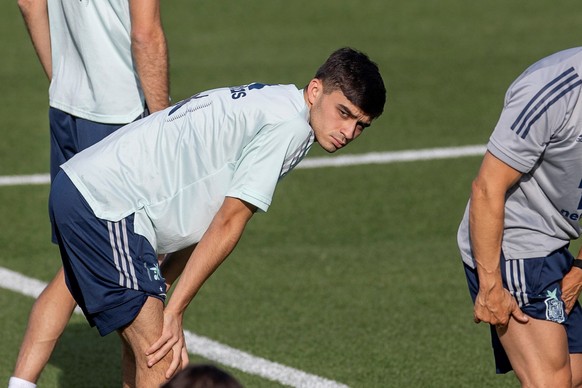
(143, 331)
(53, 308)
(574, 330)
(576, 367)
(111, 270)
(48, 318)
(538, 352)
(127, 364)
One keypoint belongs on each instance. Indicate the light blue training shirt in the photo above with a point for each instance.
(174, 168)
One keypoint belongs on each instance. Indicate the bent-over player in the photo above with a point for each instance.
(186, 181)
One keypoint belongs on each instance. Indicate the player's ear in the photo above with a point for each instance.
(314, 89)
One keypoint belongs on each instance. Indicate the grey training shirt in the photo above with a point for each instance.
(539, 134)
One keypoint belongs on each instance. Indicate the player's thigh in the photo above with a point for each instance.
(137, 337)
(58, 291)
(146, 328)
(538, 350)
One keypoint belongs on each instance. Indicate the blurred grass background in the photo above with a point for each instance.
(354, 274)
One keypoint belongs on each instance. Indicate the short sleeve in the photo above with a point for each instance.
(273, 152)
(534, 112)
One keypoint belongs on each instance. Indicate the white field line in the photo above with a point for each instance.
(330, 161)
(202, 346)
(392, 157)
(216, 351)
(15, 180)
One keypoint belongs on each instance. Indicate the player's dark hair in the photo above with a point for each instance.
(357, 77)
(202, 376)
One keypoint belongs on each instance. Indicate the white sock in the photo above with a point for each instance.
(17, 382)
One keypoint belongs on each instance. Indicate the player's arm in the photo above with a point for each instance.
(150, 52)
(572, 285)
(216, 244)
(493, 304)
(35, 15)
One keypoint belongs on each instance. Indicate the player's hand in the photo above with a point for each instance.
(172, 338)
(571, 288)
(185, 358)
(496, 306)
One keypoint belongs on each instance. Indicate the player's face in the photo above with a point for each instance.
(334, 119)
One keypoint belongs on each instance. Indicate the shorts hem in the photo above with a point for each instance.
(115, 318)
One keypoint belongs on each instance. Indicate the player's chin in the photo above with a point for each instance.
(331, 148)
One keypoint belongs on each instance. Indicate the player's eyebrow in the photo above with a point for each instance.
(361, 123)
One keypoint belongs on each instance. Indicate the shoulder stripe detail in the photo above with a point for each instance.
(544, 99)
(190, 109)
(121, 257)
(532, 121)
(292, 160)
(548, 85)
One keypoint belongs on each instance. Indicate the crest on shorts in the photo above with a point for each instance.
(153, 272)
(554, 307)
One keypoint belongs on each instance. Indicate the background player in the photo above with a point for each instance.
(524, 209)
(107, 65)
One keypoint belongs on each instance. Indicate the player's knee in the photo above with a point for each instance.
(563, 375)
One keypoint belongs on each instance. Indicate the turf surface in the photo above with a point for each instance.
(354, 274)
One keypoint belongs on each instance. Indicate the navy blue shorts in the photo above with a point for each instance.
(536, 285)
(70, 135)
(109, 269)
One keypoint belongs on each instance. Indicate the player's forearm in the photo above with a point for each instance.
(35, 15)
(150, 54)
(486, 218)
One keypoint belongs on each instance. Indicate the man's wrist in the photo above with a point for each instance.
(577, 263)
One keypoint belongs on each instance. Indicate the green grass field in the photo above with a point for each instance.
(354, 274)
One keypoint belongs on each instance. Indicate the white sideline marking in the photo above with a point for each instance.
(330, 161)
(15, 180)
(202, 346)
(391, 157)
(248, 363)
